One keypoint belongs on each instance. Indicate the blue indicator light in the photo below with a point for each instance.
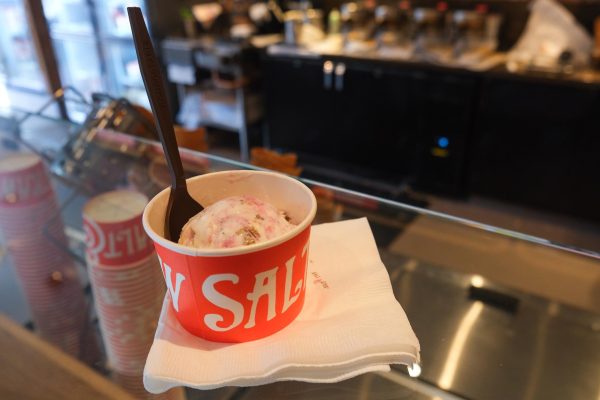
(443, 142)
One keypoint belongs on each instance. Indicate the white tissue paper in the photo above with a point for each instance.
(351, 324)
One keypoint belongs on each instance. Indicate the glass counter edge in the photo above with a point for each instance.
(403, 206)
(372, 198)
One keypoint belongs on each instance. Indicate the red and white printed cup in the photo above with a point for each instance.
(242, 293)
(23, 180)
(113, 226)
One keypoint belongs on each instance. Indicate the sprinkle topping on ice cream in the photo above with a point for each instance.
(235, 221)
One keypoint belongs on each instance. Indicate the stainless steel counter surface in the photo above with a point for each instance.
(499, 344)
(369, 386)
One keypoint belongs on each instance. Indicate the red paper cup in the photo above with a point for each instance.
(113, 226)
(243, 293)
(23, 180)
(29, 213)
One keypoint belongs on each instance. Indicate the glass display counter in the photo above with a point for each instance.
(499, 314)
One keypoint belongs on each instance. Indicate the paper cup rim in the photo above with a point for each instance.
(210, 252)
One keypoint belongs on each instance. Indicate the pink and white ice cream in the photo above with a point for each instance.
(235, 221)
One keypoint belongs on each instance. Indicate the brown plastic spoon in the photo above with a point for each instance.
(181, 206)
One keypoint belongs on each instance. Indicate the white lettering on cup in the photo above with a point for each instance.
(289, 272)
(127, 235)
(305, 256)
(111, 250)
(94, 239)
(178, 279)
(222, 301)
(264, 284)
(26, 187)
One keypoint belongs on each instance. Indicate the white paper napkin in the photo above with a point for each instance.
(351, 323)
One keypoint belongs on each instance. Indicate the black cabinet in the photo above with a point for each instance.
(345, 113)
(374, 120)
(537, 144)
(525, 139)
(376, 123)
(298, 106)
(446, 108)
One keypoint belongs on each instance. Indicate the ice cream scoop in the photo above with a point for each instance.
(235, 221)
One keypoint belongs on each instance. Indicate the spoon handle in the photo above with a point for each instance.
(157, 94)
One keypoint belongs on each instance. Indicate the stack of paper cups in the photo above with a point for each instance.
(125, 276)
(33, 232)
